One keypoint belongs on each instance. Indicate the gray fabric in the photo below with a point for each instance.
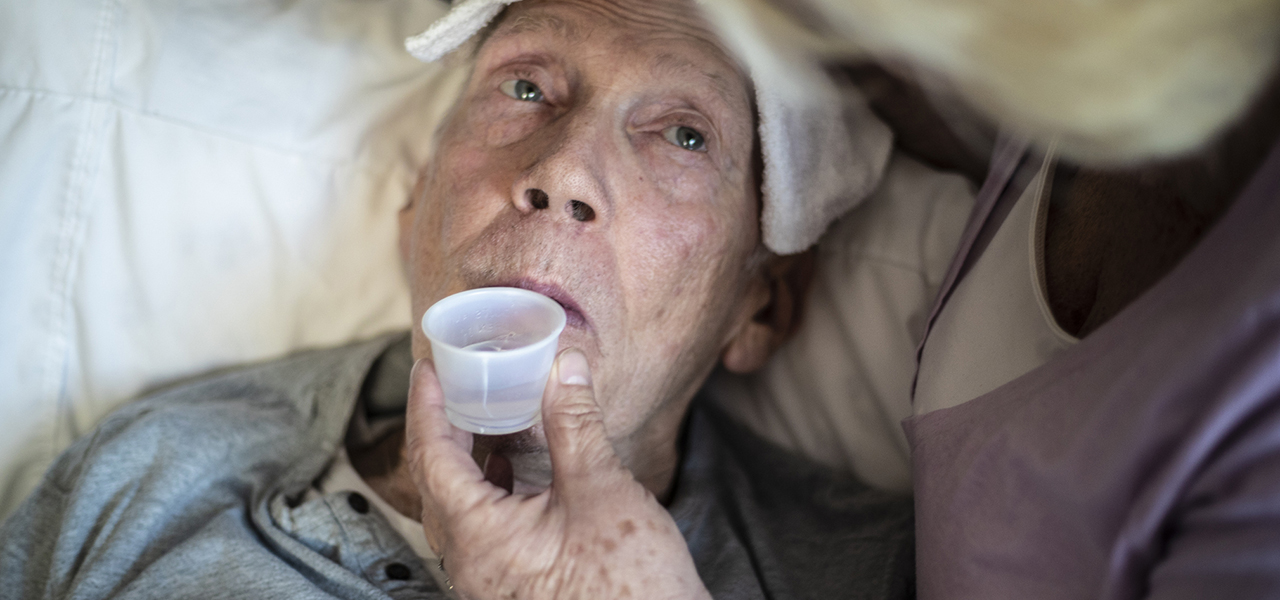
(197, 493)
(1142, 463)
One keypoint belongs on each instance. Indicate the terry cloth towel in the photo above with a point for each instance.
(824, 150)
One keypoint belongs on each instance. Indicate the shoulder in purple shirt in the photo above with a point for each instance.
(1142, 463)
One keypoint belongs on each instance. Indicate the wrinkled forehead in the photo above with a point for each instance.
(671, 36)
(636, 20)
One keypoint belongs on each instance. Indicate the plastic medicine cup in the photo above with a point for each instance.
(493, 349)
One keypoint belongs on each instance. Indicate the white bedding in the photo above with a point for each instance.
(188, 184)
(838, 391)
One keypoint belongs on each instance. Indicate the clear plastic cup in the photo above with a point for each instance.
(493, 349)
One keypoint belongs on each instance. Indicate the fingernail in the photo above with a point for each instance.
(573, 368)
(420, 364)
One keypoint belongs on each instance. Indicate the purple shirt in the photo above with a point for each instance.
(1144, 461)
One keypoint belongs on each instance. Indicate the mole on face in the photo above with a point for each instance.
(582, 211)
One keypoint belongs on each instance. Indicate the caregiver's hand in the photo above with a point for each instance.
(596, 533)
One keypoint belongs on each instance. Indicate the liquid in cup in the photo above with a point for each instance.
(493, 349)
(507, 341)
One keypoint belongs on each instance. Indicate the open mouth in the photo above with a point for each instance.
(574, 316)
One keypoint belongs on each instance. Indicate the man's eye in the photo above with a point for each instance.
(521, 90)
(685, 137)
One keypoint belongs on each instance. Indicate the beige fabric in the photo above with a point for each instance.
(838, 391)
(997, 324)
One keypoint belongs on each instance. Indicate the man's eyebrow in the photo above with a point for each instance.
(670, 65)
(536, 23)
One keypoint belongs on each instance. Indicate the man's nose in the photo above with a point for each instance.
(579, 210)
(566, 176)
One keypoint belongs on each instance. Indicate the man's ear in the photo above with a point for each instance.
(773, 309)
(404, 220)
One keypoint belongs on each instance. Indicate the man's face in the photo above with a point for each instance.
(601, 154)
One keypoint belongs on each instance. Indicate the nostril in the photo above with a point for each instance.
(538, 199)
(582, 211)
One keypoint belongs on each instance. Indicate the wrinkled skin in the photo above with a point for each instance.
(595, 533)
(568, 166)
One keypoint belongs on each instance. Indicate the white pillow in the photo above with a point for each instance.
(837, 392)
(189, 184)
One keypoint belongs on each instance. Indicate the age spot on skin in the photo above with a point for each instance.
(609, 545)
(627, 528)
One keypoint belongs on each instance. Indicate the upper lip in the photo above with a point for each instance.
(573, 312)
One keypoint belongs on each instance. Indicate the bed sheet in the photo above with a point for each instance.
(186, 185)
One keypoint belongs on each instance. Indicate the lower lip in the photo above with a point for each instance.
(574, 318)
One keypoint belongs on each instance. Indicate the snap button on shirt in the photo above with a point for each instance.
(398, 571)
(358, 503)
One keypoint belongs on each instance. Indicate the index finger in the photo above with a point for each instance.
(439, 453)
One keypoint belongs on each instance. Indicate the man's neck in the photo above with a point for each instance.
(385, 467)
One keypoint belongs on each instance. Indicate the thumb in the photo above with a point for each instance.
(579, 445)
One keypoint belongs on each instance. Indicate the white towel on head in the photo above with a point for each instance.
(824, 151)
(454, 29)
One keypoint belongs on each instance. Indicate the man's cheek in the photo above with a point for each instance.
(674, 248)
(495, 121)
(503, 132)
(474, 195)
(466, 167)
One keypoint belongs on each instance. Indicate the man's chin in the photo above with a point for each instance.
(527, 453)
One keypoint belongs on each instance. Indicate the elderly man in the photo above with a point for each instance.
(605, 154)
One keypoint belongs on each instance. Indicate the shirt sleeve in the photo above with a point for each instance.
(40, 544)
